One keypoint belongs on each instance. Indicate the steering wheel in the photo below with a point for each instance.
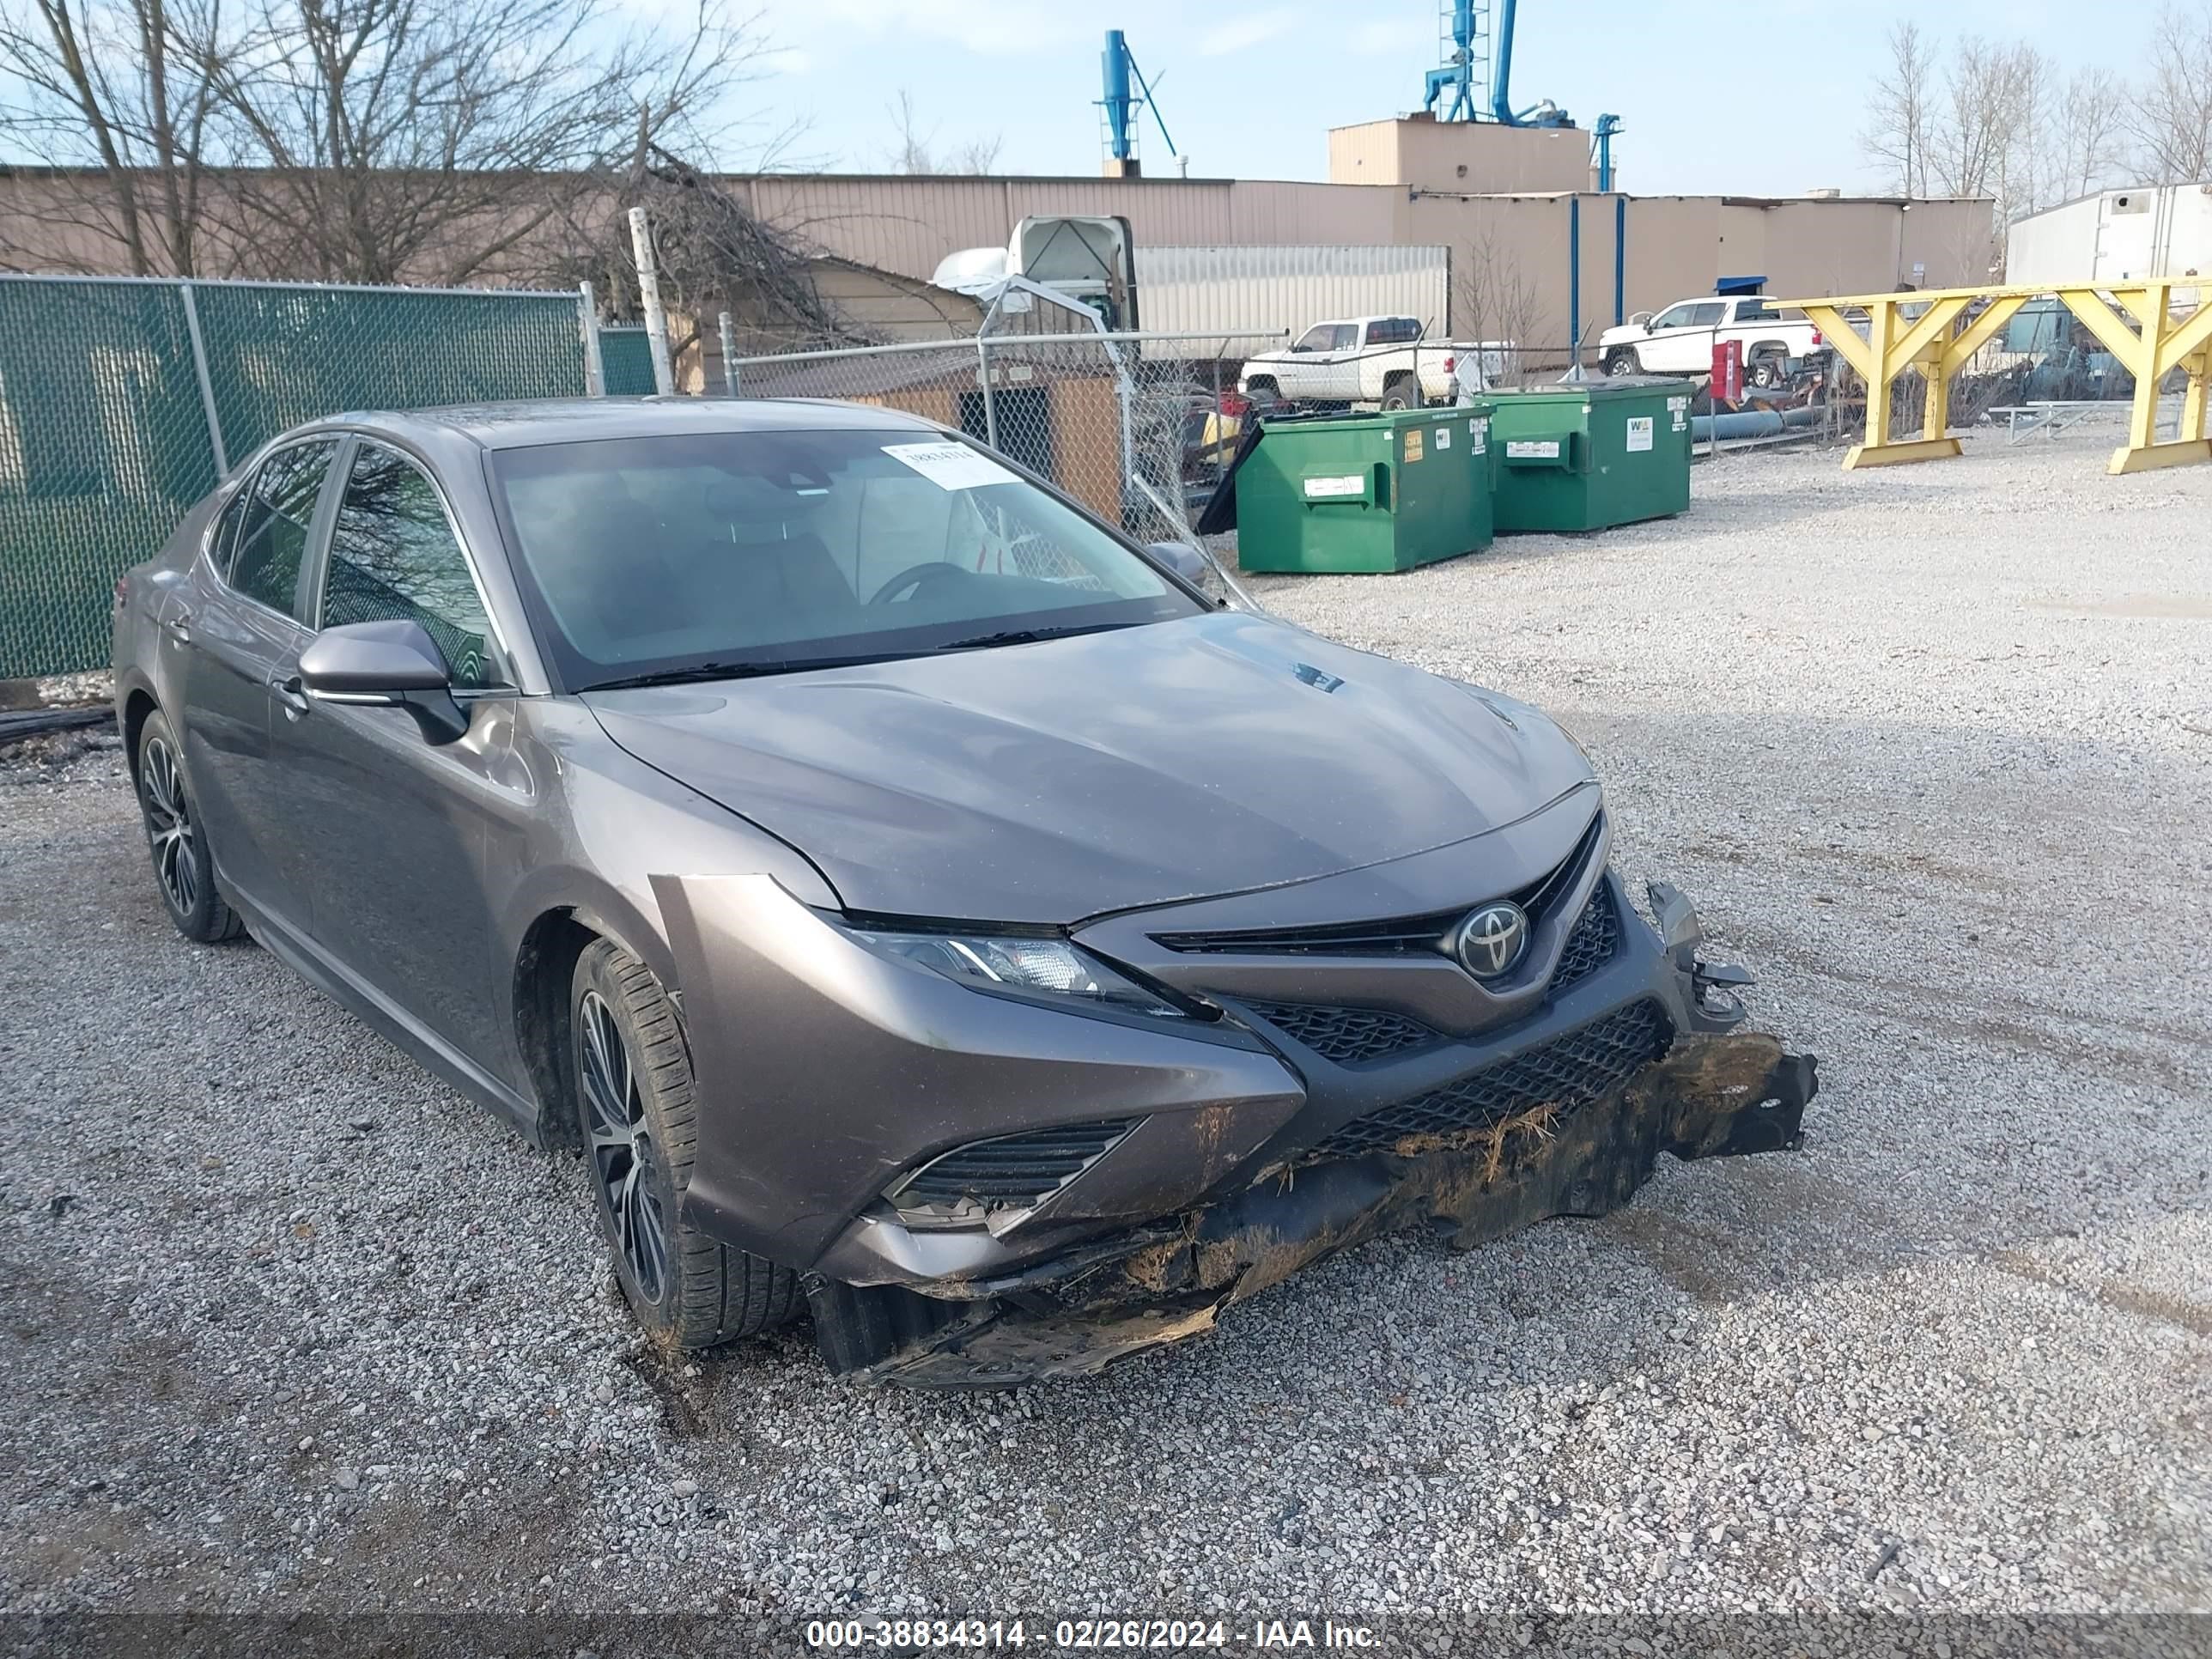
(916, 577)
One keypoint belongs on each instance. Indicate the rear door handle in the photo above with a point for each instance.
(290, 693)
(178, 622)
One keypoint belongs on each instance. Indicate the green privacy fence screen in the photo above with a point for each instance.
(626, 359)
(106, 440)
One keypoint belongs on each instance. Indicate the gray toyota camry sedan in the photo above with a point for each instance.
(921, 904)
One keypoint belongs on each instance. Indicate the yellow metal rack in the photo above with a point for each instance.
(2136, 321)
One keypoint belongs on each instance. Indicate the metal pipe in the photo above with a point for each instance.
(1116, 64)
(587, 323)
(648, 288)
(983, 378)
(1619, 259)
(729, 355)
(310, 287)
(1015, 339)
(207, 386)
(1574, 281)
(1501, 66)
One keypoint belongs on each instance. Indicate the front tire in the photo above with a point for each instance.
(183, 869)
(636, 1109)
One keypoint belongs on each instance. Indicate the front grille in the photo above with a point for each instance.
(1591, 944)
(1011, 1171)
(1394, 936)
(1568, 1071)
(1346, 1036)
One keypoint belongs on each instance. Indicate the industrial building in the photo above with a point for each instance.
(1514, 206)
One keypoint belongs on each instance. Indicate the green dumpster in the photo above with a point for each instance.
(1382, 492)
(1582, 456)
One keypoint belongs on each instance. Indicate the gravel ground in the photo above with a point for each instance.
(289, 1325)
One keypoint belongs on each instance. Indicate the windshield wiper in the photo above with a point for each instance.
(699, 674)
(1028, 635)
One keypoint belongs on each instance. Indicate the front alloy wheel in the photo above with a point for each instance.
(183, 870)
(624, 1160)
(636, 1111)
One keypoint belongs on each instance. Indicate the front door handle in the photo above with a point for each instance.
(291, 694)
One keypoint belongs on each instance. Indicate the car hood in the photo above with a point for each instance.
(1064, 779)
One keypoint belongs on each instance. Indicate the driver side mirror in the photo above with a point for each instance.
(385, 664)
(1186, 561)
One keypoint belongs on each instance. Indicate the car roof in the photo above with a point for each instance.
(576, 420)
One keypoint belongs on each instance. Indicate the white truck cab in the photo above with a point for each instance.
(1353, 360)
(1680, 339)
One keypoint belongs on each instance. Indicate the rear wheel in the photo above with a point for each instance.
(183, 870)
(637, 1112)
(1622, 361)
(1766, 371)
(1402, 392)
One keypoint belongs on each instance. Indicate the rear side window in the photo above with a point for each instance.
(222, 537)
(278, 511)
(393, 558)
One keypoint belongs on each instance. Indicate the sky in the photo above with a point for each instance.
(1752, 97)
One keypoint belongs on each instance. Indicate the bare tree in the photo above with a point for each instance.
(1495, 302)
(2172, 117)
(711, 255)
(120, 100)
(1901, 110)
(915, 152)
(370, 141)
(430, 138)
(2084, 135)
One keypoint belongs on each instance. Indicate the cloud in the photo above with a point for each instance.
(1239, 33)
(1396, 34)
(989, 28)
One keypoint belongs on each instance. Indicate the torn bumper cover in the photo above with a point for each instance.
(1714, 1096)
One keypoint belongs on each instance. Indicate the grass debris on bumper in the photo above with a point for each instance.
(1711, 1096)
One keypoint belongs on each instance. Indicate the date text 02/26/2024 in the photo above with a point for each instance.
(1080, 1635)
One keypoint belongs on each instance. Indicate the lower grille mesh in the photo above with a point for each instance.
(1568, 1071)
(1346, 1036)
(1594, 938)
(1011, 1171)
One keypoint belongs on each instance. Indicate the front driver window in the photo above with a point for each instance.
(393, 558)
(272, 528)
(1673, 316)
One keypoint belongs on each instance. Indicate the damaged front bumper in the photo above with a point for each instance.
(1227, 1154)
(1711, 1097)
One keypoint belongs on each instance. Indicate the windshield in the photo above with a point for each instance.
(677, 556)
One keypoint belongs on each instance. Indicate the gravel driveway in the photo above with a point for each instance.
(286, 1324)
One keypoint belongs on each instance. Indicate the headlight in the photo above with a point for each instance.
(1050, 965)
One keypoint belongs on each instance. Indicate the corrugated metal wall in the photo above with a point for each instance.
(1283, 289)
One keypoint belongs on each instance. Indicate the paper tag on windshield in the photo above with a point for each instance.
(950, 465)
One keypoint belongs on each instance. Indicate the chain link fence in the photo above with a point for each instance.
(122, 402)
(626, 361)
(1136, 426)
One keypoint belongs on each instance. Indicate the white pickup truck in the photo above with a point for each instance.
(1354, 360)
(1680, 340)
